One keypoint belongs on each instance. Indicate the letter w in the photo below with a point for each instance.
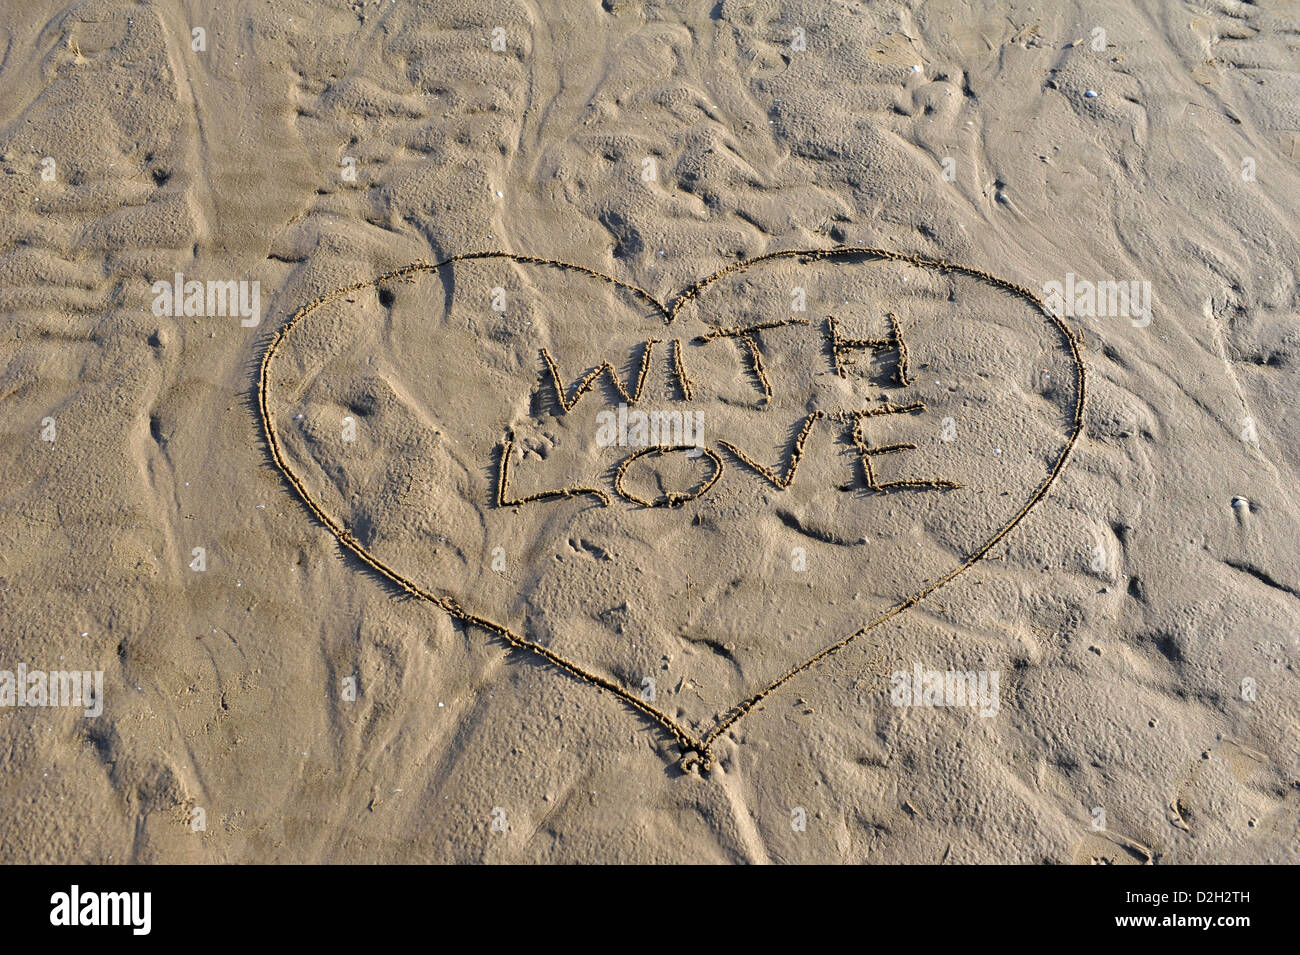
(585, 385)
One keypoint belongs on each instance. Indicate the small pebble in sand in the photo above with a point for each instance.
(1241, 503)
(1090, 94)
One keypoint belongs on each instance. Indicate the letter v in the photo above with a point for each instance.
(781, 481)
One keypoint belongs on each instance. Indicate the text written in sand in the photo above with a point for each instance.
(842, 352)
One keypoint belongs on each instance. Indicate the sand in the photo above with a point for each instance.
(612, 432)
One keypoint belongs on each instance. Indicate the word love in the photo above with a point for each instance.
(661, 433)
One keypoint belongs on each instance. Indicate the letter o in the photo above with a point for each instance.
(669, 499)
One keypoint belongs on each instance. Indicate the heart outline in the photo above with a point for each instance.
(696, 752)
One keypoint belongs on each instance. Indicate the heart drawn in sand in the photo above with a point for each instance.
(511, 466)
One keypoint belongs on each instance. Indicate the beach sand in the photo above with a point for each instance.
(330, 629)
